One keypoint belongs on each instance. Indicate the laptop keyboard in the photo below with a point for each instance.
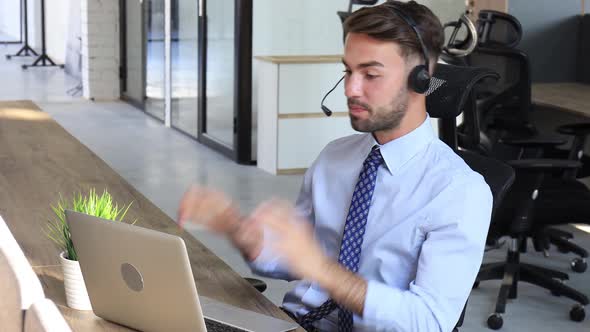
(214, 326)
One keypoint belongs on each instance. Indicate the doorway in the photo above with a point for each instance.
(209, 68)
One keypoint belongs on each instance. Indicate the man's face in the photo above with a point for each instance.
(375, 83)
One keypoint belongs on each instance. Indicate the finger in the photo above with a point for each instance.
(181, 207)
(199, 205)
(189, 203)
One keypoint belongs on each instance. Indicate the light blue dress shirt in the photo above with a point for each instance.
(425, 234)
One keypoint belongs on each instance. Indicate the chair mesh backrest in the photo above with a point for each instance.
(508, 100)
(497, 29)
(449, 94)
(441, 101)
(450, 88)
(508, 68)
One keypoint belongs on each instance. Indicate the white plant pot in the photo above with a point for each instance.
(76, 293)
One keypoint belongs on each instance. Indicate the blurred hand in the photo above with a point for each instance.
(209, 208)
(215, 211)
(292, 239)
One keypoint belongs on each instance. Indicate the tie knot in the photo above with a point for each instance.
(374, 158)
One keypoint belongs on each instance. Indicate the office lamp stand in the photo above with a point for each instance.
(26, 50)
(43, 60)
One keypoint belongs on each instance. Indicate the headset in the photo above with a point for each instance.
(419, 77)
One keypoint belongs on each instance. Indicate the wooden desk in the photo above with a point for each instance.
(570, 97)
(39, 160)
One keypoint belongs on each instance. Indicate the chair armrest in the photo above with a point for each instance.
(543, 164)
(575, 129)
(537, 141)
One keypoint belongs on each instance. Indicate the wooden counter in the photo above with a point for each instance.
(39, 160)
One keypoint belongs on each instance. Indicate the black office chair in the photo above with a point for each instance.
(503, 116)
(450, 93)
(515, 218)
(503, 32)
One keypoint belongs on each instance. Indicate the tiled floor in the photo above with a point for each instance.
(161, 163)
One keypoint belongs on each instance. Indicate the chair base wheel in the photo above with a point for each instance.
(579, 265)
(495, 321)
(578, 313)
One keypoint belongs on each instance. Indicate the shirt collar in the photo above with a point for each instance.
(399, 151)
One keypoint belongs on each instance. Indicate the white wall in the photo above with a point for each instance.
(311, 27)
(57, 13)
(303, 27)
(34, 17)
(100, 49)
(10, 18)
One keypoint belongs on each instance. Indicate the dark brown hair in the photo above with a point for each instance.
(383, 23)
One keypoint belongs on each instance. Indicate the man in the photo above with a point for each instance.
(389, 229)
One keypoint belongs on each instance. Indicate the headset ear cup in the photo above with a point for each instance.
(419, 79)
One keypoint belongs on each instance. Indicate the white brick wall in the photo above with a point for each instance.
(100, 49)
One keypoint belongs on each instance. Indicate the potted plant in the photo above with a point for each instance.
(58, 231)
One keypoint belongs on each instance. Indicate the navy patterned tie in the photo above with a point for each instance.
(352, 239)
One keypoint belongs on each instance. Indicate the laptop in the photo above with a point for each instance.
(142, 279)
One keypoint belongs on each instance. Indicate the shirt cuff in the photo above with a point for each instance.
(265, 259)
(268, 264)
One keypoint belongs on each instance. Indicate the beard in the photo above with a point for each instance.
(381, 118)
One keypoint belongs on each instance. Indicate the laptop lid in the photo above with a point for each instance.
(136, 277)
(142, 279)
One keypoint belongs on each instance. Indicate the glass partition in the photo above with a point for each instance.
(220, 71)
(154, 89)
(185, 65)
